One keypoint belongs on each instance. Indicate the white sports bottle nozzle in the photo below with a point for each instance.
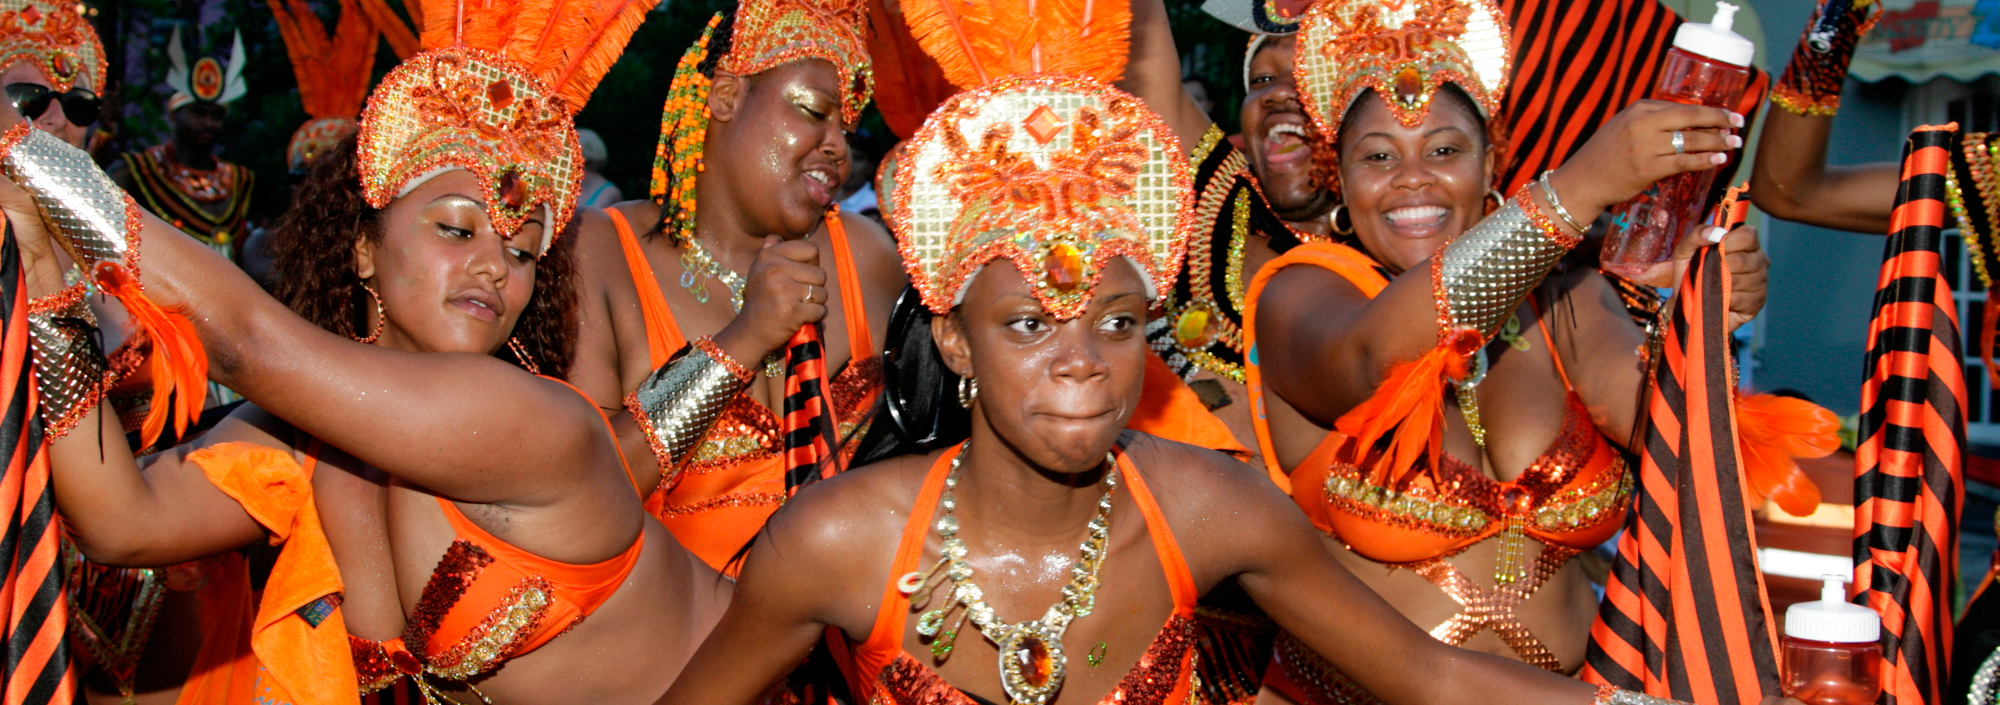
(1716, 40)
(1833, 618)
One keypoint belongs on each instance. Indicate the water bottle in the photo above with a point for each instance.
(1709, 65)
(1832, 649)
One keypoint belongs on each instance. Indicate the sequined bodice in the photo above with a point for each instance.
(1573, 495)
(906, 681)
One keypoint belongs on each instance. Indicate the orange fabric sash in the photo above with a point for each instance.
(307, 664)
(1168, 409)
(225, 670)
(1351, 265)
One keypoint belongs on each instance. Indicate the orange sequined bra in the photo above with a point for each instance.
(487, 602)
(890, 676)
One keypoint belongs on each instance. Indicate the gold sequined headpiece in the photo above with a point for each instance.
(772, 33)
(1404, 50)
(1041, 161)
(495, 92)
(55, 38)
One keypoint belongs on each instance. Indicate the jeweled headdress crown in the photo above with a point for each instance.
(54, 37)
(772, 33)
(1041, 162)
(1404, 50)
(495, 92)
(332, 70)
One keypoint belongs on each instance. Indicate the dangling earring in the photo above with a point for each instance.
(1333, 220)
(380, 316)
(1499, 200)
(521, 355)
(968, 390)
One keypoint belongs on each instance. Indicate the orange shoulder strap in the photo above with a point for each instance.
(885, 641)
(299, 634)
(663, 335)
(1350, 264)
(622, 462)
(860, 343)
(1179, 580)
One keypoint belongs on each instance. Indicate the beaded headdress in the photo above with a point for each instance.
(1041, 163)
(209, 81)
(332, 71)
(495, 92)
(54, 37)
(764, 35)
(1404, 50)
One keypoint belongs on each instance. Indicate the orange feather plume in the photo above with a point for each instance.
(178, 365)
(567, 44)
(332, 70)
(1773, 432)
(1408, 409)
(402, 40)
(979, 41)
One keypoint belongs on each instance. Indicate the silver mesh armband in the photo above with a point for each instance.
(1483, 275)
(71, 374)
(678, 403)
(90, 216)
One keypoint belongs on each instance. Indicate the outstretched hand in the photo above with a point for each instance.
(1636, 148)
(1743, 254)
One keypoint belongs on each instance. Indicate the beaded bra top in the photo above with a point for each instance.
(488, 602)
(1164, 674)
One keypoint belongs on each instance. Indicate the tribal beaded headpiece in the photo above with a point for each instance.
(1404, 50)
(55, 38)
(495, 92)
(764, 35)
(1041, 162)
(208, 80)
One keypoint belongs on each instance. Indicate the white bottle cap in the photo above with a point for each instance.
(1833, 618)
(1716, 40)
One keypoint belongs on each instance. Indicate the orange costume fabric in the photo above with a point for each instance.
(717, 499)
(301, 661)
(888, 674)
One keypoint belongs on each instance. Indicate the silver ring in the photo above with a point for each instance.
(1680, 143)
(809, 295)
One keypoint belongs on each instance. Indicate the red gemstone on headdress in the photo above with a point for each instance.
(1043, 125)
(31, 14)
(513, 190)
(62, 64)
(1409, 86)
(1063, 270)
(500, 93)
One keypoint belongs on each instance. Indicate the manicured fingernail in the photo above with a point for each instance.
(1715, 234)
(1735, 119)
(1733, 141)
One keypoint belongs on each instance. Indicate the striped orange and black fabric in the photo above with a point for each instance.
(1909, 469)
(1577, 63)
(1684, 614)
(35, 669)
(807, 424)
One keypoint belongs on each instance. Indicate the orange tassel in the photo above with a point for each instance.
(1773, 432)
(178, 365)
(1409, 408)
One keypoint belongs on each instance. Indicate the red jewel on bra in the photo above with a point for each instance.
(405, 662)
(1515, 500)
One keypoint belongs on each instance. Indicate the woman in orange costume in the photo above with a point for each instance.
(1398, 464)
(1040, 215)
(736, 252)
(479, 516)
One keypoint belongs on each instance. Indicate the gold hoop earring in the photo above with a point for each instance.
(1333, 220)
(380, 316)
(968, 391)
(521, 355)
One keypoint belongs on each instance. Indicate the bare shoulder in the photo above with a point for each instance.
(834, 543)
(1223, 512)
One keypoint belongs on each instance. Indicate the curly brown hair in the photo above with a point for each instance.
(312, 257)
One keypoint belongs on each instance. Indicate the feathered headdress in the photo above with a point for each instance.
(1041, 162)
(1404, 51)
(332, 72)
(55, 38)
(209, 80)
(495, 92)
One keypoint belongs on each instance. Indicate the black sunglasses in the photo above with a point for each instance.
(80, 107)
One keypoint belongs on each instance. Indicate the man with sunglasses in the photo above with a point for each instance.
(182, 180)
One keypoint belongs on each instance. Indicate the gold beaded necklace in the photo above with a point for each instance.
(1031, 652)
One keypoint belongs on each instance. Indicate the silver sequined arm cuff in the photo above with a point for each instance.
(1482, 276)
(87, 213)
(1609, 695)
(71, 374)
(678, 403)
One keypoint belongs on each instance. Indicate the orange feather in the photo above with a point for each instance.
(1408, 408)
(332, 70)
(178, 363)
(978, 42)
(1773, 432)
(567, 44)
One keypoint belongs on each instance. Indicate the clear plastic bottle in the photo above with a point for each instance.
(1832, 649)
(1707, 66)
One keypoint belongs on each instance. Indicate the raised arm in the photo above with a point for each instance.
(1154, 73)
(467, 426)
(1791, 179)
